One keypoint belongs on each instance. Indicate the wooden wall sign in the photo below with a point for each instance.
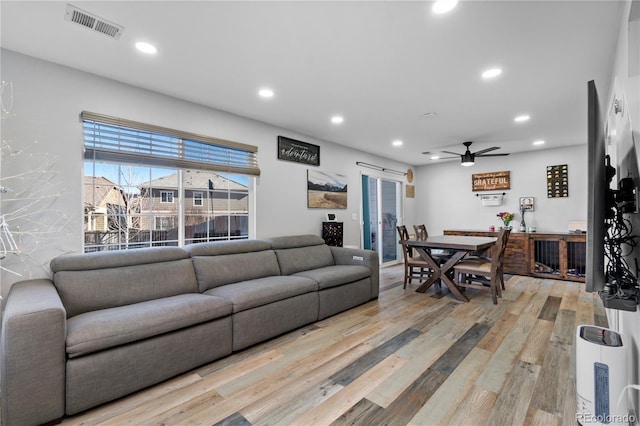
(491, 181)
(411, 191)
(298, 151)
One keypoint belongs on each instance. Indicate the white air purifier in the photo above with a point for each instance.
(601, 377)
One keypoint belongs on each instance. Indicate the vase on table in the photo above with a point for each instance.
(523, 225)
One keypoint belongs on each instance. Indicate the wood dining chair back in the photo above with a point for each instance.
(421, 232)
(414, 266)
(440, 256)
(485, 271)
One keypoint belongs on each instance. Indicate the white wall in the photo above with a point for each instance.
(445, 200)
(625, 86)
(48, 99)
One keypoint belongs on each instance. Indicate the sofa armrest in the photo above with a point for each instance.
(32, 354)
(354, 256)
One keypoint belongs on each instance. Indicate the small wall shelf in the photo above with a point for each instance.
(494, 199)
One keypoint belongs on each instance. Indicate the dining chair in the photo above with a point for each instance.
(421, 232)
(414, 266)
(483, 271)
(440, 256)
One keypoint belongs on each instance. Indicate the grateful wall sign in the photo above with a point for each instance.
(492, 181)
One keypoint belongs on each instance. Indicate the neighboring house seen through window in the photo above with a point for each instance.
(197, 198)
(129, 204)
(166, 196)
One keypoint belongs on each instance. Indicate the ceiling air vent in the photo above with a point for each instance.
(93, 22)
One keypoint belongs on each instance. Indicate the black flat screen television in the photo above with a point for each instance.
(597, 186)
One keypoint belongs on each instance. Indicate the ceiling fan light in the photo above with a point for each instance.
(468, 159)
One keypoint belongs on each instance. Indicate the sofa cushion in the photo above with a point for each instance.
(299, 259)
(106, 328)
(262, 291)
(336, 275)
(90, 281)
(216, 248)
(215, 271)
(116, 258)
(294, 241)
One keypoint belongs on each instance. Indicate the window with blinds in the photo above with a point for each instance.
(151, 186)
(115, 139)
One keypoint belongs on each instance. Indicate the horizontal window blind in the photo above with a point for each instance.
(125, 141)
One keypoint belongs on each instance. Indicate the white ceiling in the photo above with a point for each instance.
(380, 64)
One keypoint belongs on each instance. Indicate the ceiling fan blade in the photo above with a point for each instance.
(452, 153)
(441, 158)
(491, 155)
(482, 151)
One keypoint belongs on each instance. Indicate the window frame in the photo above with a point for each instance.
(141, 224)
(169, 194)
(199, 198)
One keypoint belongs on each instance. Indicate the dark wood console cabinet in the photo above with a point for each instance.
(332, 233)
(560, 256)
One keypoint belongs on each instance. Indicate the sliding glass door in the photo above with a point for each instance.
(381, 204)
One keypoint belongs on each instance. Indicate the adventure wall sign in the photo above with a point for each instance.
(297, 151)
(491, 181)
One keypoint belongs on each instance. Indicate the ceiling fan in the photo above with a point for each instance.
(468, 158)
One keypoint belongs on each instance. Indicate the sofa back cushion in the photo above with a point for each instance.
(301, 253)
(91, 281)
(216, 248)
(215, 271)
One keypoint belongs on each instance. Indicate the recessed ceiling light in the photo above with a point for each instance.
(491, 73)
(429, 114)
(539, 142)
(397, 142)
(147, 48)
(443, 6)
(435, 157)
(521, 118)
(266, 93)
(337, 119)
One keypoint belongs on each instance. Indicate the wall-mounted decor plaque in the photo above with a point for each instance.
(526, 204)
(491, 181)
(298, 151)
(558, 181)
(411, 191)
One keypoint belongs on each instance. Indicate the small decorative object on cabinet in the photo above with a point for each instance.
(523, 224)
(332, 233)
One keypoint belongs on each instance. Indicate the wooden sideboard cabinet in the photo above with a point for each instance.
(561, 256)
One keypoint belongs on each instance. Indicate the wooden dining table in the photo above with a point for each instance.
(459, 246)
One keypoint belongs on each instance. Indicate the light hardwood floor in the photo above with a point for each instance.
(406, 358)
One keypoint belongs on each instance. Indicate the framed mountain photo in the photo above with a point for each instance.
(326, 190)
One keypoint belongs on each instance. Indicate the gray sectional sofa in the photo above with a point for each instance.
(110, 323)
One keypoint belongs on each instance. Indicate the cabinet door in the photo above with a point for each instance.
(561, 257)
(545, 257)
(576, 256)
